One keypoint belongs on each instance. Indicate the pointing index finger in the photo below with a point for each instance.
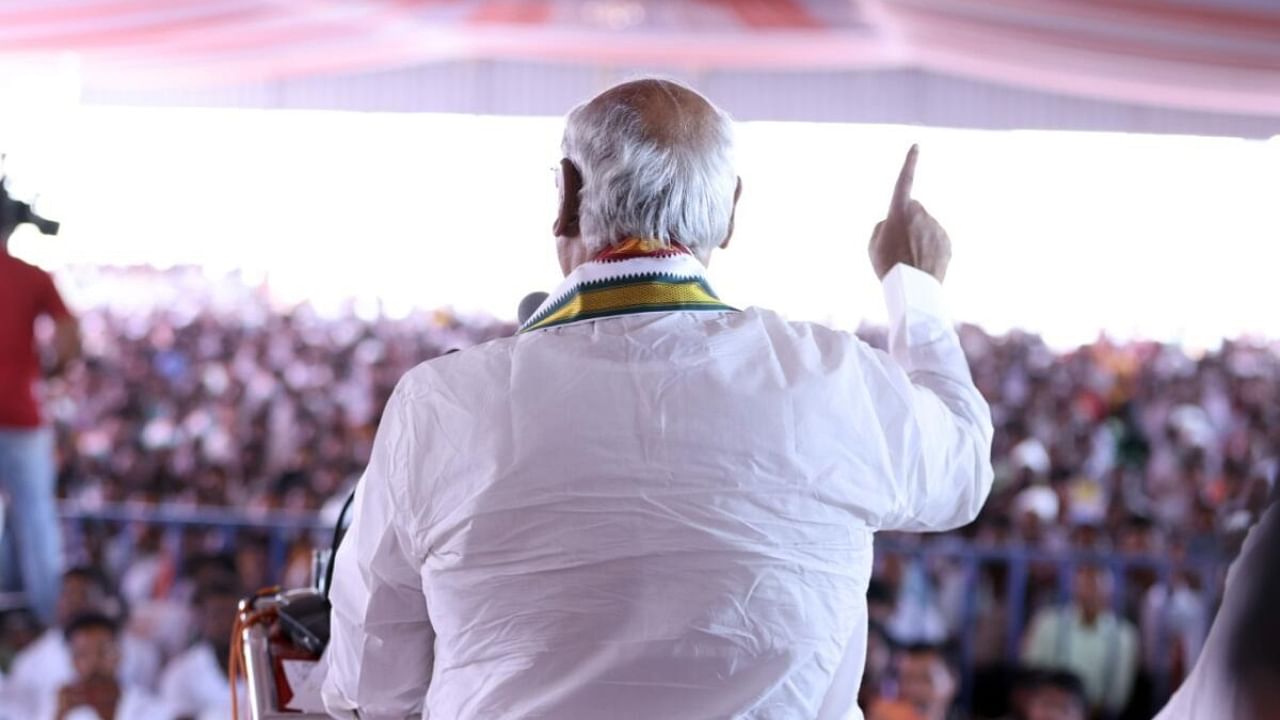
(902, 190)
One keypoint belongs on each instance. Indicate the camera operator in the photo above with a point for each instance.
(27, 471)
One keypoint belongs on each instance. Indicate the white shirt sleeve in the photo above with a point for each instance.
(937, 425)
(380, 652)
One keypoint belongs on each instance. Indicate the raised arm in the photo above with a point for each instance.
(66, 329)
(937, 426)
(381, 645)
(66, 343)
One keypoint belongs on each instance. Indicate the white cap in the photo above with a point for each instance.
(1030, 454)
(1039, 500)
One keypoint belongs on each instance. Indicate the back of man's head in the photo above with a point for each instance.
(1055, 695)
(89, 621)
(656, 163)
(204, 568)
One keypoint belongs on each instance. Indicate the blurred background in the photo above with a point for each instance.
(270, 210)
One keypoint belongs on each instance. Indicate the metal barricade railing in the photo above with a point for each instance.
(281, 527)
(278, 527)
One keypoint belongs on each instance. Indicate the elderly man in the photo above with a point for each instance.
(649, 504)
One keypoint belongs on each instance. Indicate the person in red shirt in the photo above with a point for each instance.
(27, 472)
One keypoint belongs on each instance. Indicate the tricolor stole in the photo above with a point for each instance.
(623, 290)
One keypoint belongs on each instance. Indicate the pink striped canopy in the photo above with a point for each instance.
(1214, 55)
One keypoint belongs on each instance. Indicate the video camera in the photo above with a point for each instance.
(15, 212)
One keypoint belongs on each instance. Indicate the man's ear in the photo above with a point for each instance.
(566, 224)
(733, 214)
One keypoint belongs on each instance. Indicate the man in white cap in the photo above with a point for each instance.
(649, 504)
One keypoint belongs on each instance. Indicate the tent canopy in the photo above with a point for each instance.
(1201, 66)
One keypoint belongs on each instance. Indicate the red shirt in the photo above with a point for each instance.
(26, 293)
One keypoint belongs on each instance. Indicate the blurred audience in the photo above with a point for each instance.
(1142, 460)
(1142, 463)
(234, 402)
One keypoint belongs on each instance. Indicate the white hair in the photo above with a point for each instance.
(637, 186)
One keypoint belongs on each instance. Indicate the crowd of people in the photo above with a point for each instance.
(214, 401)
(1126, 473)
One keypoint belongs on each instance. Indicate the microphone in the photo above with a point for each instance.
(529, 305)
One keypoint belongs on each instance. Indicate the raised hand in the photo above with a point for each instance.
(909, 234)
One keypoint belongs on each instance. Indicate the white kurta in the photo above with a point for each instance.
(134, 704)
(656, 515)
(194, 684)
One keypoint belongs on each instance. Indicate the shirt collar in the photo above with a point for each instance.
(1102, 623)
(632, 277)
